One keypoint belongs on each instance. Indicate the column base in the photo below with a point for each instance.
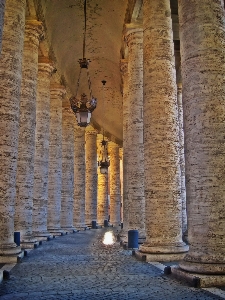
(198, 280)
(9, 249)
(69, 229)
(159, 256)
(13, 258)
(56, 231)
(179, 247)
(28, 242)
(42, 236)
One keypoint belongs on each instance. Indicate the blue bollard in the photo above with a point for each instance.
(93, 224)
(133, 239)
(17, 238)
(105, 223)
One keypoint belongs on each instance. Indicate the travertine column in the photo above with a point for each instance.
(203, 68)
(115, 196)
(182, 160)
(2, 13)
(57, 93)
(121, 184)
(90, 176)
(40, 196)
(68, 121)
(79, 177)
(135, 151)
(10, 83)
(103, 204)
(124, 69)
(161, 134)
(26, 146)
(102, 193)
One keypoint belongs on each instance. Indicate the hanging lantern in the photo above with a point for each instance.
(104, 158)
(83, 107)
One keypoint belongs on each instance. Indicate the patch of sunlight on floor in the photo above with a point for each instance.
(109, 238)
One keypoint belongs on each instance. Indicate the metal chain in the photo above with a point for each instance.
(78, 83)
(85, 27)
(89, 83)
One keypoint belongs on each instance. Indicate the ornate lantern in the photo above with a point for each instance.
(83, 106)
(104, 158)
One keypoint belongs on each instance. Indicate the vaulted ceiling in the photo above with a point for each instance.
(64, 23)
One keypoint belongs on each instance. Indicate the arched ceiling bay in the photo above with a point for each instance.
(64, 21)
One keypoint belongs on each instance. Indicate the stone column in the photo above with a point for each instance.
(121, 185)
(79, 177)
(68, 121)
(161, 134)
(182, 160)
(90, 176)
(124, 69)
(57, 93)
(40, 196)
(102, 194)
(10, 82)
(202, 34)
(115, 196)
(2, 12)
(26, 146)
(135, 151)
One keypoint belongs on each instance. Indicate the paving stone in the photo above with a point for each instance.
(79, 266)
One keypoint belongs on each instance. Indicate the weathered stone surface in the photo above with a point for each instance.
(121, 184)
(68, 121)
(161, 133)
(124, 70)
(102, 198)
(2, 12)
(10, 82)
(135, 151)
(202, 34)
(79, 177)
(57, 93)
(114, 186)
(26, 143)
(40, 196)
(182, 159)
(90, 175)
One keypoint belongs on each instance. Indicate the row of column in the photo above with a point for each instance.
(48, 164)
(153, 106)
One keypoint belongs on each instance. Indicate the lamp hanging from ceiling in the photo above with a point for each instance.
(104, 158)
(83, 106)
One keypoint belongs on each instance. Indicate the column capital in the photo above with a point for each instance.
(89, 130)
(57, 90)
(35, 30)
(133, 31)
(45, 65)
(121, 153)
(112, 145)
(124, 66)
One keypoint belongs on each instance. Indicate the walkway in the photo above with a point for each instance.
(79, 266)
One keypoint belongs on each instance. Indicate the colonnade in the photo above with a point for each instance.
(50, 187)
(49, 180)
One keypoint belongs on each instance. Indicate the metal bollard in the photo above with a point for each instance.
(17, 238)
(133, 239)
(93, 224)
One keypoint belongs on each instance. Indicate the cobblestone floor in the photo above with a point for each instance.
(79, 266)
